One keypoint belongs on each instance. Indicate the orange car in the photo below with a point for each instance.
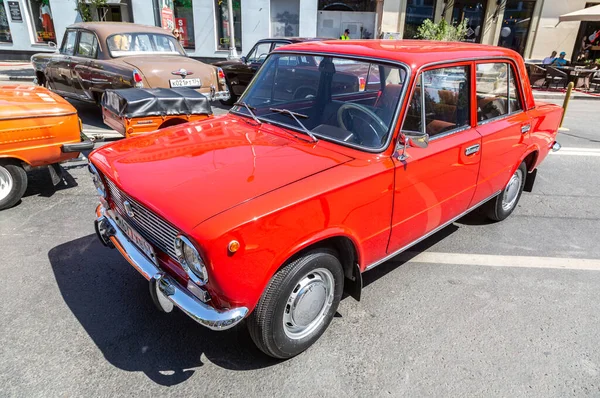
(37, 128)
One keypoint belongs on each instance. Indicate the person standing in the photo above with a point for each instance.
(550, 59)
(346, 35)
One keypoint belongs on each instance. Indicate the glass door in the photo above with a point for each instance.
(515, 24)
(474, 12)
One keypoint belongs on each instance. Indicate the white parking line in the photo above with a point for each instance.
(491, 260)
(577, 152)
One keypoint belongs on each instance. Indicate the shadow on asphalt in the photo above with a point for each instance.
(40, 183)
(112, 302)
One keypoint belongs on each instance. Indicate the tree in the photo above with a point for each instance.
(442, 31)
(85, 10)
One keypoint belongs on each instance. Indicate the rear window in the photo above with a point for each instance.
(125, 44)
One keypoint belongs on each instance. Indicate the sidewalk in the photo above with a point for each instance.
(18, 71)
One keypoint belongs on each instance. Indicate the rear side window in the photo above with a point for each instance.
(446, 99)
(88, 45)
(497, 93)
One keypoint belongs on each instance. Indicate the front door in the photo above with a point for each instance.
(60, 64)
(81, 65)
(436, 184)
(254, 60)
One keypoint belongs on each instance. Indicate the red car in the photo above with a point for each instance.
(272, 211)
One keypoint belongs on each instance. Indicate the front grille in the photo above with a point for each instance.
(153, 228)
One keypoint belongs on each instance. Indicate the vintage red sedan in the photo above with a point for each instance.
(270, 212)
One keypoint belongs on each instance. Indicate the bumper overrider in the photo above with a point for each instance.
(164, 290)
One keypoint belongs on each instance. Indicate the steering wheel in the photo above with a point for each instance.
(378, 129)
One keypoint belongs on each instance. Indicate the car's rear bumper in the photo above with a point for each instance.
(163, 288)
(220, 96)
(85, 145)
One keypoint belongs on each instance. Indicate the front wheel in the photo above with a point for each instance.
(505, 203)
(298, 304)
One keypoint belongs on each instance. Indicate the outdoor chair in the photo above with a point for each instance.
(537, 74)
(556, 77)
(583, 79)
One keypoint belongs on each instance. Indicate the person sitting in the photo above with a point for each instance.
(560, 61)
(550, 59)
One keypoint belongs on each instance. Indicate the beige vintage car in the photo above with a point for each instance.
(95, 56)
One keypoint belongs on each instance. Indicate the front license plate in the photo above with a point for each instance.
(185, 82)
(136, 238)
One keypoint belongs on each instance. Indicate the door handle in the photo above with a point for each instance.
(525, 128)
(473, 149)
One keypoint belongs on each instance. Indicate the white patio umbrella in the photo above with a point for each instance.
(587, 14)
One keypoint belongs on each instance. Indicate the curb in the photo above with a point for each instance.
(562, 97)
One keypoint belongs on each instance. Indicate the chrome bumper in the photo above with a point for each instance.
(163, 288)
(220, 96)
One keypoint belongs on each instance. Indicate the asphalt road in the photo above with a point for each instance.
(479, 309)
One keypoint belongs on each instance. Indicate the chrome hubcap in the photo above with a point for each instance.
(6, 183)
(308, 303)
(512, 190)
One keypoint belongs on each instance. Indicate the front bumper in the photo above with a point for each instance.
(85, 145)
(163, 288)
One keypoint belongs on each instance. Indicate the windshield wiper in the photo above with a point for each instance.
(295, 116)
(250, 109)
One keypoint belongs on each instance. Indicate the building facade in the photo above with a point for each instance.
(527, 26)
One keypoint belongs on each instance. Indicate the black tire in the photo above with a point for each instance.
(232, 99)
(17, 184)
(266, 323)
(497, 209)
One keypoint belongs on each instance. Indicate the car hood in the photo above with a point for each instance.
(194, 171)
(157, 70)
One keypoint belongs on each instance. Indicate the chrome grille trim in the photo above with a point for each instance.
(153, 228)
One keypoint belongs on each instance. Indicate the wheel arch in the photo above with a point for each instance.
(349, 255)
(12, 159)
(172, 122)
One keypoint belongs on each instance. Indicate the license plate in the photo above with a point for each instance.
(135, 237)
(185, 82)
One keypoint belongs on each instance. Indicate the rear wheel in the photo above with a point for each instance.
(13, 183)
(298, 304)
(505, 203)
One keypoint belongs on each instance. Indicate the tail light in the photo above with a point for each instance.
(137, 79)
(362, 84)
(221, 76)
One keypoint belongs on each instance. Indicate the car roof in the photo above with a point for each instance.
(415, 53)
(294, 39)
(106, 29)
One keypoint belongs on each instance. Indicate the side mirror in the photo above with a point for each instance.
(416, 138)
(243, 59)
(412, 138)
(52, 45)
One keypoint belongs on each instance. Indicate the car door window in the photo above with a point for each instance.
(513, 93)
(277, 45)
(259, 53)
(492, 90)
(446, 92)
(68, 46)
(88, 45)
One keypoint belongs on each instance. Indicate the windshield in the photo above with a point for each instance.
(124, 44)
(340, 99)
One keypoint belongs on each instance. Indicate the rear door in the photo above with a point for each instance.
(503, 125)
(434, 185)
(60, 78)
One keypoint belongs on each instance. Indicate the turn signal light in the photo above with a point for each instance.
(221, 75)
(137, 78)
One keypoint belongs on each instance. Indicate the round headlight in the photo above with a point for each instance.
(190, 259)
(98, 183)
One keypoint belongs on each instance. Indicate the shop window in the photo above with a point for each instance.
(5, 36)
(224, 24)
(184, 23)
(42, 20)
(285, 18)
(417, 11)
(474, 12)
(515, 24)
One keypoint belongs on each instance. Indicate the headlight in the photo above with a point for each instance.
(100, 188)
(190, 259)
